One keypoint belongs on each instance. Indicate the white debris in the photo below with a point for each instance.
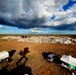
(8, 38)
(11, 37)
(3, 55)
(44, 39)
(48, 39)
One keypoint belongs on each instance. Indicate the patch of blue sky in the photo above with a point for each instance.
(53, 17)
(13, 30)
(69, 5)
(54, 31)
(66, 32)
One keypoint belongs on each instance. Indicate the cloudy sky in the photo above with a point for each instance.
(37, 16)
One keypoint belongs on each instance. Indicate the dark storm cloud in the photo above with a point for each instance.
(33, 13)
(66, 27)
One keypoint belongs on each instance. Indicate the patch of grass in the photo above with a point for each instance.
(30, 57)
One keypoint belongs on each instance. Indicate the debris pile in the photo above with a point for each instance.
(10, 37)
(49, 39)
(44, 39)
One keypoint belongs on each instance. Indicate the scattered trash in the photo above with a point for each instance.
(26, 74)
(70, 61)
(4, 55)
(43, 39)
(51, 57)
(65, 61)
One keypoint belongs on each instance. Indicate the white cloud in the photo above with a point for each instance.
(63, 17)
(36, 30)
(34, 8)
(1, 26)
(12, 30)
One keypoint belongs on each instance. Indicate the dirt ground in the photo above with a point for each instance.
(35, 64)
